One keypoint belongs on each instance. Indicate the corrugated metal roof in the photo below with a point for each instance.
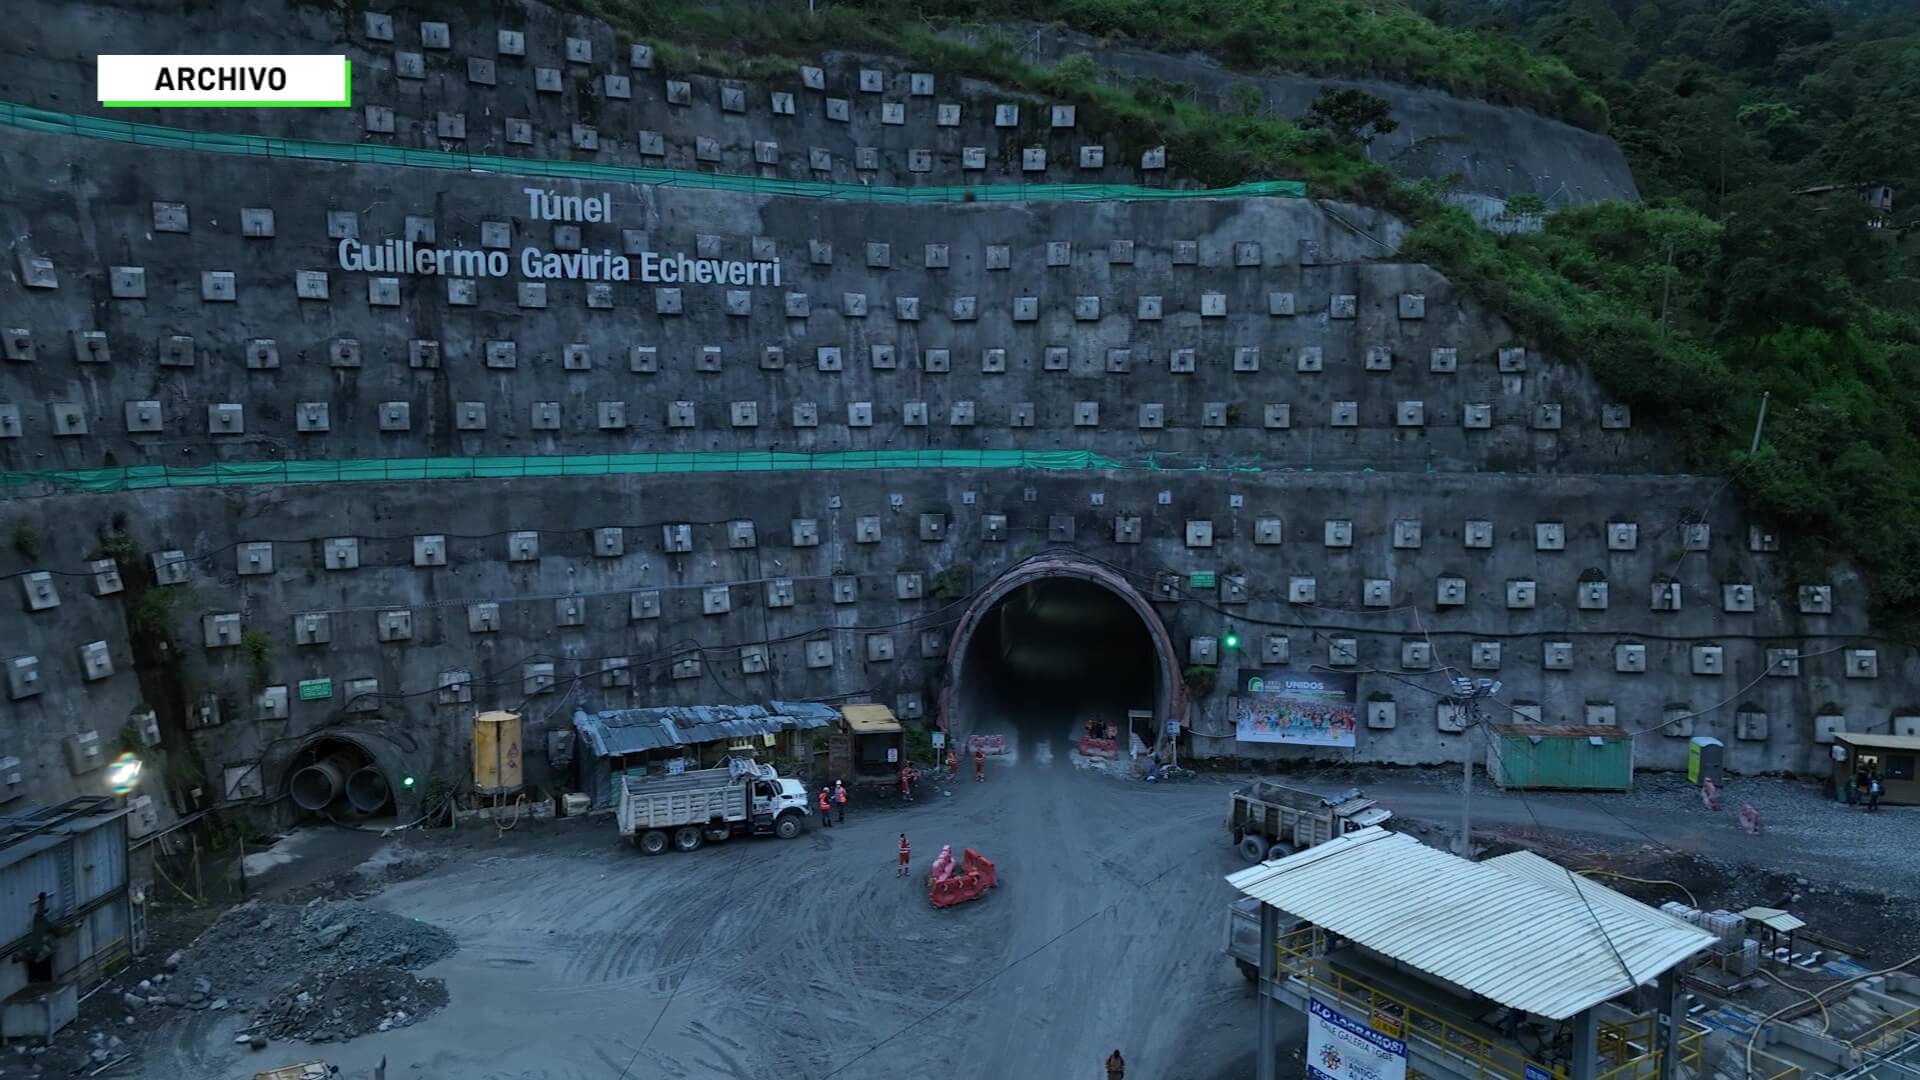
(1500, 928)
(807, 714)
(870, 719)
(1774, 919)
(618, 732)
(1880, 742)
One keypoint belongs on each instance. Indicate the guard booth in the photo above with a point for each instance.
(1706, 757)
(869, 748)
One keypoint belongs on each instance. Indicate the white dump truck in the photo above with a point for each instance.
(1269, 820)
(687, 809)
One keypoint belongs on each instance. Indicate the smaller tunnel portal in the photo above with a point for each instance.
(1049, 657)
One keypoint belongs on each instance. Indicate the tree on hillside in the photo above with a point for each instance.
(1349, 115)
(1752, 33)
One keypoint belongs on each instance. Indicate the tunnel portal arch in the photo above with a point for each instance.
(1170, 685)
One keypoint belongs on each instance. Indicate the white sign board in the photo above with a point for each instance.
(893, 755)
(1173, 728)
(939, 739)
(1341, 1049)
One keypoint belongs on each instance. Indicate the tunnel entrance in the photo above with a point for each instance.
(337, 778)
(1056, 651)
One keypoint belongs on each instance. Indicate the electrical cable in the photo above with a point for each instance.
(1819, 995)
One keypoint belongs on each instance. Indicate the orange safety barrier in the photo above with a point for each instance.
(974, 876)
(1092, 747)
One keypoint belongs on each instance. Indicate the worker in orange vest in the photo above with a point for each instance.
(840, 799)
(906, 856)
(953, 767)
(826, 812)
(906, 782)
(979, 765)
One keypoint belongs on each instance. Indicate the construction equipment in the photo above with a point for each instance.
(1271, 821)
(308, 1070)
(687, 809)
(949, 885)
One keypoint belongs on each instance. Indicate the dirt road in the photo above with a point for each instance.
(581, 960)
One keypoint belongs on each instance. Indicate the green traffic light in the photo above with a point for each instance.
(406, 781)
(1233, 641)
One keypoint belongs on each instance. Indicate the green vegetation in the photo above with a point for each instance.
(1200, 679)
(949, 584)
(26, 541)
(258, 648)
(1724, 286)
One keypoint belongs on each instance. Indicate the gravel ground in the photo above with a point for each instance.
(580, 959)
(322, 1008)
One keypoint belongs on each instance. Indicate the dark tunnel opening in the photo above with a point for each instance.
(1051, 656)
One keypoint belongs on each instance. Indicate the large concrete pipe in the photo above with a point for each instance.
(316, 786)
(367, 789)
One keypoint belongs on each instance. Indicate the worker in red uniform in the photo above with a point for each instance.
(906, 856)
(826, 811)
(979, 765)
(840, 799)
(953, 767)
(906, 782)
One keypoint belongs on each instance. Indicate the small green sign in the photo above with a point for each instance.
(316, 689)
(1200, 579)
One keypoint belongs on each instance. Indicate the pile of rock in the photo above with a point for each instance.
(326, 1008)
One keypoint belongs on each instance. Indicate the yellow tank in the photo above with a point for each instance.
(496, 753)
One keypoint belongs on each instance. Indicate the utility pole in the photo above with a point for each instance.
(1469, 692)
(1760, 423)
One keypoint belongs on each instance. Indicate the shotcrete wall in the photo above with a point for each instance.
(1377, 476)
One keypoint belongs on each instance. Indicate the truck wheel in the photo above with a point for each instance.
(1251, 973)
(1279, 851)
(688, 838)
(1253, 848)
(787, 827)
(653, 842)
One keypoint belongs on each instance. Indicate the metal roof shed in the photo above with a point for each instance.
(1502, 929)
(870, 719)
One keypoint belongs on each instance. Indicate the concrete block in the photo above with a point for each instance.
(1203, 651)
(1521, 593)
(1697, 536)
(1126, 529)
(1630, 658)
(1737, 598)
(993, 527)
(410, 65)
(675, 539)
(537, 678)
(1546, 416)
(781, 103)
(1276, 649)
(1549, 536)
(377, 119)
(462, 292)
(1310, 359)
(308, 284)
(819, 654)
(170, 217)
(340, 553)
(544, 416)
(450, 126)
(378, 27)
(383, 292)
(1086, 414)
(1615, 417)
(1556, 655)
(1059, 253)
(9, 421)
(396, 416)
(866, 529)
(220, 630)
(391, 626)
(143, 417)
(435, 35)
(106, 577)
(1450, 592)
(1344, 414)
(1343, 652)
(1376, 592)
(1338, 533)
(523, 546)
(343, 353)
(644, 604)
(1622, 536)
(1213, 414)
(1816, 599)
(1664, 595)
(839, 110)
(1410, 414)
(1006, 115)
(1060, 528)
(1277, 416)
(893, 113)
(23, 677)
(40, 591)
(312, 417)
(510, 43)
(640, 57)
(1153, 416)
(907, 586)
(1709, 660)
(1592, 595)
(1093, 157)
(611, 416)
(67, 419)
(127, 282)
(430, 550)
(1061, 116)
(1476, 416)
(685, 668)
(1186, 253)
(780, 593)
(1026, 308)
(1086, 308)
(1343, 306)
(1512, 360)
(1199, 533)
(570, 611)
(1414, 656)
(1761, 540)
(254, 558)
(226, 418)
(1863, 663)
(1379, 358)
(1021, 415)
(1153, 159)
(846, 590)
(263, 354)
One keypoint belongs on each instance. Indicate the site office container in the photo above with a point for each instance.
(1569, 758)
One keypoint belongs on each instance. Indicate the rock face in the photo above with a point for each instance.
(1489, 149)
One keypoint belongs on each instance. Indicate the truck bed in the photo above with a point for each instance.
(693, 798)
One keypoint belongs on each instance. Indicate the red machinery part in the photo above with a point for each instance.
(975, 876)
